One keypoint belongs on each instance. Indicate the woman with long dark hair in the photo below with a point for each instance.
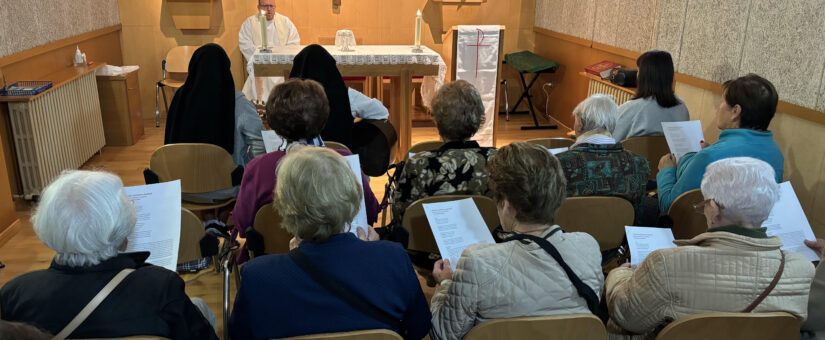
(654, 101)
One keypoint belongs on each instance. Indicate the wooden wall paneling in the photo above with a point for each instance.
(8, 216)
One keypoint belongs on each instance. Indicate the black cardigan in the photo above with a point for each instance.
(150, 301)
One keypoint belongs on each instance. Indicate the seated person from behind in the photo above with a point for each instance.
(314, 62)
(748, 105)
(208, 109)
(517, 278)
(317, 196)
(722, 270)
(597, 164)
(297, 110)
(85, 217)
(654, 101)
(459, 167)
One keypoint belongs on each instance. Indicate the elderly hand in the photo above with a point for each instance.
(294, 242)
(817, 246)
(667, 161)
(628, 265)
(370, 235)
(442, 270)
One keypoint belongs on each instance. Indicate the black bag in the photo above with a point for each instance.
(584, 290)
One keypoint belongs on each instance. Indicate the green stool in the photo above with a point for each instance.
(527, 62)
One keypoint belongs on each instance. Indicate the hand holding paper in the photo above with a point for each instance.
(157, 229)
(683, 137)
(787, 221)
(644, 240)
(456, 225)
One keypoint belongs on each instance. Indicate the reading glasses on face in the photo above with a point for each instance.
(700, 206)
(266, 7)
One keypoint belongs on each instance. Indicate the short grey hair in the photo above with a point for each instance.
(744, 187)
(316, 194)
(84, 216)
(458, 111)
(597, 112)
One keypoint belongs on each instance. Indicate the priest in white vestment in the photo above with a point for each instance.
(280, 31)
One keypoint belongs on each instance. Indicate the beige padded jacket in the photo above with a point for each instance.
(514, 279)
(713, 272)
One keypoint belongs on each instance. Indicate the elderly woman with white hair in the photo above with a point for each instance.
(597, 164)
(332, 280)
(86, 217)
(733, 267)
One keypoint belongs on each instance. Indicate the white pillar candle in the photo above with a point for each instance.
(263, 31)
(418, 29)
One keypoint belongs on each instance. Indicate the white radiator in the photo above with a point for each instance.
(59, 130)
(619, 95)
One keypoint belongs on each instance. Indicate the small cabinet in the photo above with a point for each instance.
(120, 107)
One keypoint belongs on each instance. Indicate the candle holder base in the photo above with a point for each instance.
(417, 49)
(265, 50)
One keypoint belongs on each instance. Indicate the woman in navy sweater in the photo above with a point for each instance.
(317, 196)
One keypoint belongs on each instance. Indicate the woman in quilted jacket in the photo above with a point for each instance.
(517, 277)
(725, 269)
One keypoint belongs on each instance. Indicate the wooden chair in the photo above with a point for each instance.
(733, 326)
(551, 143)
(421, 236)
(336, 145)
(370, 334)
(602, 217)
(561, 327)
(268, 224)
(191, 233)
(650, 147)
(175, 68)
(429, 145)
(199, 167)
(686, 222)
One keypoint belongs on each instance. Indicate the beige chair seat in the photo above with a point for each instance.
(733, 326)
(559, 327)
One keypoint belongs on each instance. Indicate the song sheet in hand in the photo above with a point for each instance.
(157, 230)
(456, 225)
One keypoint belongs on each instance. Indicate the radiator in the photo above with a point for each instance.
(602, 87)
(59, 130)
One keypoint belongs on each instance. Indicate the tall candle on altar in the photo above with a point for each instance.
(263, 31)
(418, 29)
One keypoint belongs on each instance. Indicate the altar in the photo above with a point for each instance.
(396, 61)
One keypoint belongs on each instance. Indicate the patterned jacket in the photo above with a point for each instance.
(605, 170)
(457, 168)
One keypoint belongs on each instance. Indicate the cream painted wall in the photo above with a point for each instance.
(148, 31)
(801, 141)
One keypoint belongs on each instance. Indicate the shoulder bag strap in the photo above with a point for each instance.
(348, 297)
(92, 305)
(770, 287)
(584, 290)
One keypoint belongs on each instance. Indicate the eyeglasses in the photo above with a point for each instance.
(267, 7)
(699, 207)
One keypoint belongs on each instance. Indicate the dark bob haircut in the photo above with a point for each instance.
(656, 78)
(756, 96)
(297, 109)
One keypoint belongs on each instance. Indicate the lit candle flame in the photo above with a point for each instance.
(418, 13)
(263, 12)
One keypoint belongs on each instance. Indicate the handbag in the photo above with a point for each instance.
(583, 289)
(92, 305)
(354, 301)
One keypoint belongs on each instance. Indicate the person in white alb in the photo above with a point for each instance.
(280, 31)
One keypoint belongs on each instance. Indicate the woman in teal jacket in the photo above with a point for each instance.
(748, 105)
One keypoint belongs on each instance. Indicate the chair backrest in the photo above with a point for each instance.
(177, 59)
(268, 224)
(650, 147)
(415, 220)
(369, 334)
(200, 167)
(191, 233)
(551, 143)
(602, 217)
(733, 326)
(686, 222)
(335, 145)
(561, 327)
(423, 146)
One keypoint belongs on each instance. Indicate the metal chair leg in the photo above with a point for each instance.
(157, 105)
(225, 265)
